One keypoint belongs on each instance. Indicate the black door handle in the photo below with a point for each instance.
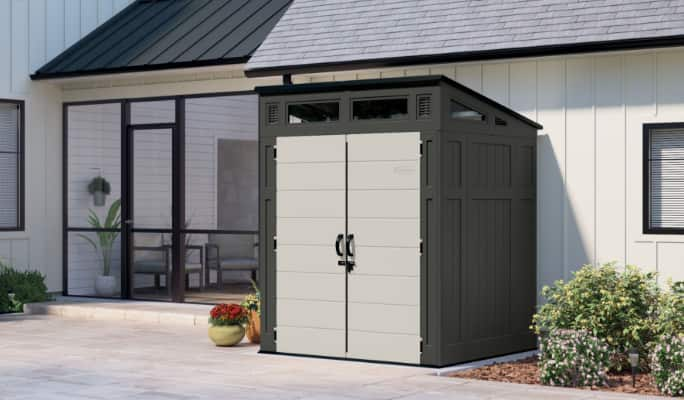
(340, 237)
(350, 240)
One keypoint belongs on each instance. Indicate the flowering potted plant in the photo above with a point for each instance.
(252, 303)
(226, 324)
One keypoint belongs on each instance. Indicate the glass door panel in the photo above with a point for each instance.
(150, 205)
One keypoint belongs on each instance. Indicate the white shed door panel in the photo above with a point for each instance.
(384, 217)
(310, 292)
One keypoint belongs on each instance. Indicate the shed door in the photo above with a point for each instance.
(310, 214)
(384, 217)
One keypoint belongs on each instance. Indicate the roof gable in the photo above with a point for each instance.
(162, 34)
(326, 32)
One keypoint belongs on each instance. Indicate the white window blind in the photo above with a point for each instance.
(666, 169)
(9, 166)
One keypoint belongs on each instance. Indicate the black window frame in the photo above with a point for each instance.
(646, 189)
(353, 101)
(335, 101)
(484, 117)
(21, 164)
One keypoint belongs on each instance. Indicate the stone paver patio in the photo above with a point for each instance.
(46, 357)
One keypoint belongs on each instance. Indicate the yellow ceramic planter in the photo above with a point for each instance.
(228, 335)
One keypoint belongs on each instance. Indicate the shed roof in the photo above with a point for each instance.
(163, 34)
(319, 35)
(387, 83)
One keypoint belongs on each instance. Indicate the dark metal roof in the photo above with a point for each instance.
(164, 34)
(386, 83)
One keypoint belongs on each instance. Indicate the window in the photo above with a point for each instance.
(396, 108)
(11, 165)
(664, 178)
(461, 111)
(313, 112)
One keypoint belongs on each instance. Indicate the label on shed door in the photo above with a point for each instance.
(310, 214)
(384, 217)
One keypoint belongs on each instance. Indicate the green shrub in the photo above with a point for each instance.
(609, 304)
(573, 358)
(670, 312)
(667, 365)
(20, 287)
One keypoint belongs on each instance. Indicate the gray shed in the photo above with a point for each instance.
(397, 222)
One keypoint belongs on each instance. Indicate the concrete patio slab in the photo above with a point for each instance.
(52, 358)
(192, 315)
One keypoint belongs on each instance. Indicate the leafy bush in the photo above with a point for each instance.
(667, 365)
(573, 358)
(609, 304)
(670, 312)
(20, 287)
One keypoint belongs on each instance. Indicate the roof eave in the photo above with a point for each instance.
(37, 76)
(521, 52)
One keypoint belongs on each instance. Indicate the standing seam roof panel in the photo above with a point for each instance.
(242, 32)
(225, 27)
(156, 48)
(124, 40)
(162, 34)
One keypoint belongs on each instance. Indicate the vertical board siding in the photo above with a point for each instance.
(551, 171)
(610, 161)
(31, 33)
(579, 164)
(640, 105)
(590, 152)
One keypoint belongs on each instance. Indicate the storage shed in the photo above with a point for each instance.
(397, 222)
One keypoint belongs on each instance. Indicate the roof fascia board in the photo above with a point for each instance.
(141, 68)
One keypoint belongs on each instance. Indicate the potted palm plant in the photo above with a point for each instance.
(106, 234)
(99, 188)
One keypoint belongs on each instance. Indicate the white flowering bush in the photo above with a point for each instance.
(573, 358)
(667, 365)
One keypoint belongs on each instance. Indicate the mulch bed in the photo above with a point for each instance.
(526, 371)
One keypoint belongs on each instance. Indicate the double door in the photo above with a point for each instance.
(348, 246)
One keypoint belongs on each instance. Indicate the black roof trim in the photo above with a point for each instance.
(142, 68)
(388, 83)
(520, 52)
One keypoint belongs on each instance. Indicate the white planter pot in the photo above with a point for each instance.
(105, 286)
(99, 199)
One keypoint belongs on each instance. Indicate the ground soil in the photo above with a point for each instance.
(526, 371)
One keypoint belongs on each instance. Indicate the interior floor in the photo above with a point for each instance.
(230, 293)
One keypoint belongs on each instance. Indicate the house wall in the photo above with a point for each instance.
(31, 33)
(590, 151)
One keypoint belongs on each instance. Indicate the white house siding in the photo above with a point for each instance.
(590, 151)
(31, 33)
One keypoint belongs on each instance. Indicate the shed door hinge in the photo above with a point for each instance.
(421, 149)
(275, 243)
(275, 152)
(275, 335)
(421, 345)
(421, 246)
